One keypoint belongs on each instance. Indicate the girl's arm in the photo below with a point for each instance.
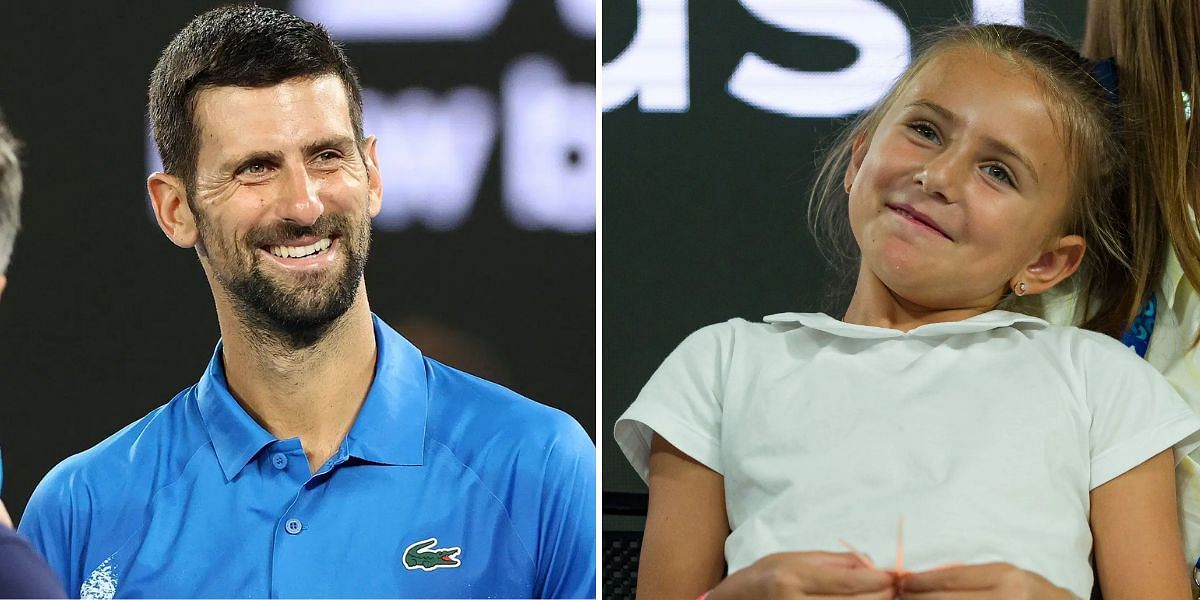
(1135, 527)
(683, 552)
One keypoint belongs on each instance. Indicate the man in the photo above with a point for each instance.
(320, 454)
(23, 574)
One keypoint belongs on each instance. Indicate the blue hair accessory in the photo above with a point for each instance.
(1138, 336)
(1105, 72)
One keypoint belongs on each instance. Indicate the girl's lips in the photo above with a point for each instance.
(915, 216)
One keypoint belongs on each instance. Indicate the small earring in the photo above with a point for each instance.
(1020, 288)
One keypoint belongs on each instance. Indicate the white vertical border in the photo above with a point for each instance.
(599, 305)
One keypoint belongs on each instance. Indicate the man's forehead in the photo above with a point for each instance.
(293, 112)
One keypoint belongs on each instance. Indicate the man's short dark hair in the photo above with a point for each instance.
(10, 194)
(244, 46)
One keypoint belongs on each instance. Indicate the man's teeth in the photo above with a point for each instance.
(300, 251)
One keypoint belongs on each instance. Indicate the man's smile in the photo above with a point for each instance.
(304, 253)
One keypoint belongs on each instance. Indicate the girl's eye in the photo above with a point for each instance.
(925, 131)
(998, 173)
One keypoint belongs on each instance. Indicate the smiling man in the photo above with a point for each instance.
(320, 454)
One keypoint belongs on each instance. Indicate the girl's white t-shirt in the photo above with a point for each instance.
(986, 434)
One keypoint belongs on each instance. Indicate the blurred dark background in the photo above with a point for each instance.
(708, 161)
(484, 255)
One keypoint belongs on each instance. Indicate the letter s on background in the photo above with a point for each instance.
(880, 36)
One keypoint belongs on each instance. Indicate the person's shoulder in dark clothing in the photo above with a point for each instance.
(23, 572)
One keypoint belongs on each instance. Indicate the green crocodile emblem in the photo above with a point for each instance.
(420, 556)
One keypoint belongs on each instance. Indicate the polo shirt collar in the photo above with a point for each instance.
(985, 322)
(235, 435)
(389, 429)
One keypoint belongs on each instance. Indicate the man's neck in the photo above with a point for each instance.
(313, 393)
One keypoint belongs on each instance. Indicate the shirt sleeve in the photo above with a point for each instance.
(567, 544)
(1135, 413)
(682, 403)
(49, 524)
(23, 573)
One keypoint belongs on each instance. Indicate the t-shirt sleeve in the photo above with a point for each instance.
(567, 544)
(1135, 413)
(49, 522)
(682, 402)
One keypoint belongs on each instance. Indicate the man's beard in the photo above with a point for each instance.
(298, 315)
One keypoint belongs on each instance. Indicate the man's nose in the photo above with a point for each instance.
(300, 200)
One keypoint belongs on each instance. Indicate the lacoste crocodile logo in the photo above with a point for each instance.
(420, 556)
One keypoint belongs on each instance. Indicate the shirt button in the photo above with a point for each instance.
(293, 526)
(279, 460)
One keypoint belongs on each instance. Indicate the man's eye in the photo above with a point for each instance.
(255, 169)
(998, 173)
(328, 155)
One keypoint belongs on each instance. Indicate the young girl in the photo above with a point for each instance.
(1012, 449)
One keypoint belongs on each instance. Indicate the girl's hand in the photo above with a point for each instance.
(804, 575)
(991, 580)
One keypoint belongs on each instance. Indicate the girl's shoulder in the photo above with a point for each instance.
(739, 339)
(771, 326)
(1089, 354)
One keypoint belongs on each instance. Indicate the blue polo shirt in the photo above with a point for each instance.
(447, 486)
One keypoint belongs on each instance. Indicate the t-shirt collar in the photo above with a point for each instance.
(985, 322)
(389, 429)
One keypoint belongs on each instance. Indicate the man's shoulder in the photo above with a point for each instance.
(463, 398)
(467, 413)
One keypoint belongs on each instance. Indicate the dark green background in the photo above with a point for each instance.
(104, 319)
(704, 211)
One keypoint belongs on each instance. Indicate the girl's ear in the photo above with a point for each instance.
(1052, 266)
(857, 153)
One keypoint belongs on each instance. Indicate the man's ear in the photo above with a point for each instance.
(857, 153)
(1055, 264)
(168, 197)
(374, 183)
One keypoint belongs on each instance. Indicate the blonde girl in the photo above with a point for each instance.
(781, 455)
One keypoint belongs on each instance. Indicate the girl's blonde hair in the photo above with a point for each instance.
(1087, 124)
(1156, 44)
